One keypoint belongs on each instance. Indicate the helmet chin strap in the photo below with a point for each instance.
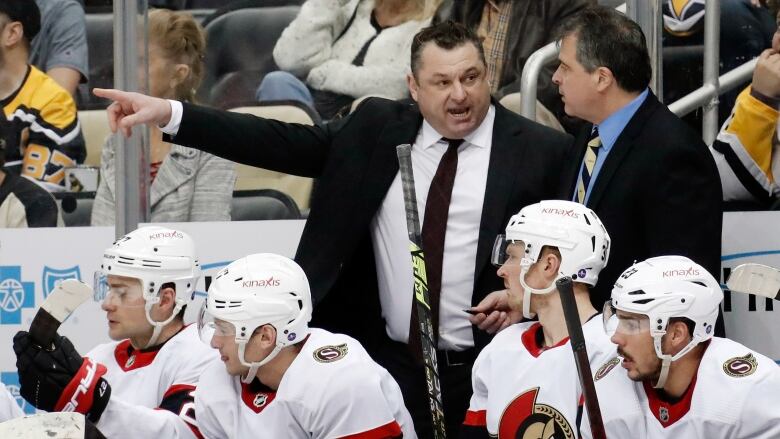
(254, 366)
(158, 326)
(666, 359)
(525, 264)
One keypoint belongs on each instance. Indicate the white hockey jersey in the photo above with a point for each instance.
(735, 394)
(522, 388)
(142, 382)
(332, 389)
(9, 408)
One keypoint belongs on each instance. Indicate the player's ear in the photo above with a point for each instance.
(267, 336)
(677, 332)
(167, 299)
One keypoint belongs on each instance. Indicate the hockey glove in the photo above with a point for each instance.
(60, 379)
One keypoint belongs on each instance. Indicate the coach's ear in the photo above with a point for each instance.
(411, 82)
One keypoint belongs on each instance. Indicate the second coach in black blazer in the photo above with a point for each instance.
(654, 184)
(354, 247)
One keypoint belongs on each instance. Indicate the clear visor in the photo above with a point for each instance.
(209, 326)
(117, 292)
(498, 257)
(625, 324)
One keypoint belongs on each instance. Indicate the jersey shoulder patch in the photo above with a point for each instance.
(606, 368)
(330, 353)
(739, 367)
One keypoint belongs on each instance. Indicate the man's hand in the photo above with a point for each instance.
(766, 76)
(60, 379)
(495, 312)
(131, 109)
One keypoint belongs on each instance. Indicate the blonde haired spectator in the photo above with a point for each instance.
(346, 49)
(187, 184)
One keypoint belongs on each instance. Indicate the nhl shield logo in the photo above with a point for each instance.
(739, 367)
(663, 414)
(260, 400)
(53, 275)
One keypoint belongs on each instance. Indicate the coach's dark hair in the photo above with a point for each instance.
(773, 6)
(607, 38)
(447, 35)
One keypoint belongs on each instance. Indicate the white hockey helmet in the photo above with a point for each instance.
(256, 290)
(571, 227)
(155, 256)
(666, 287)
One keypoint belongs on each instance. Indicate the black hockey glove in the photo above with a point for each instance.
(60, 379)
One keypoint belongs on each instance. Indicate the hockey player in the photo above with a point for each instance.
(143, 381)
(9, 409)
(525, 381)
(680, 381)
(280, 378)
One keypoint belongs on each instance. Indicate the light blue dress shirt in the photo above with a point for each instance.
(609, 131)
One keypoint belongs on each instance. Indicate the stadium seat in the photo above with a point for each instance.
(100, 42)
(94, 126)
(76, 208)
(240, 52)
(249, 177)
(263, 204)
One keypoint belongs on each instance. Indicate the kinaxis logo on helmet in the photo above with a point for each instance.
(270, 282)
(171, 234)
(691, 271)
(570, 213)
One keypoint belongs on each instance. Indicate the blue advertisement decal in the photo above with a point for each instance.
(15, 295)
(52, 275)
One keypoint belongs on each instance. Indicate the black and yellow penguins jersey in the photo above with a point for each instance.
(41, 129)
(683, 17)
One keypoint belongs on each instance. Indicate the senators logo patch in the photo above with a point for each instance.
(738, 367)
(523, 418)
(606, 368)
(329, 354)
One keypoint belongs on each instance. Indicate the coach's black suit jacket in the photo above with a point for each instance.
(658, 193)
(355, 162)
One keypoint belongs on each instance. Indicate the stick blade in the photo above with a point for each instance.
(66, 297)
(757, 279)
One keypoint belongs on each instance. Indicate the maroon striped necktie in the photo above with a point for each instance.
(437, 207)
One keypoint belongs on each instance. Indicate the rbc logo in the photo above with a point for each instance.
(14, 295)
(11, 381)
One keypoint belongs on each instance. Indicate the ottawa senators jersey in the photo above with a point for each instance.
(144, 381)
(45, 113)
(332, 389)
(524, 390)
(9, 409)
(735, 394)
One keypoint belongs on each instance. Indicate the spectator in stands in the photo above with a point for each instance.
(747, 146)
(187, 184)
(60, 48)
(746, 29)
(511, 32)
(24, 203)
(41, 115)
(358, 48)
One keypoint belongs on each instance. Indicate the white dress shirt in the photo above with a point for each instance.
(391, 240)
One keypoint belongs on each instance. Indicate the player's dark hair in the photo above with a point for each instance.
(25, 12)
(607, 38)
(446, 35)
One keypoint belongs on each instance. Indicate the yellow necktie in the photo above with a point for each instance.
(591, 153)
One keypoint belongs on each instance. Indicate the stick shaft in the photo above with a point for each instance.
(421, 296)
(577, 340)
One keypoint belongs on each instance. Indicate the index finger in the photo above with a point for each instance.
(110, 93)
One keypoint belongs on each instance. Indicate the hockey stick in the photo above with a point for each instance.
(66, 297)
(577, 340)
(420, 291)
(757, 279)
